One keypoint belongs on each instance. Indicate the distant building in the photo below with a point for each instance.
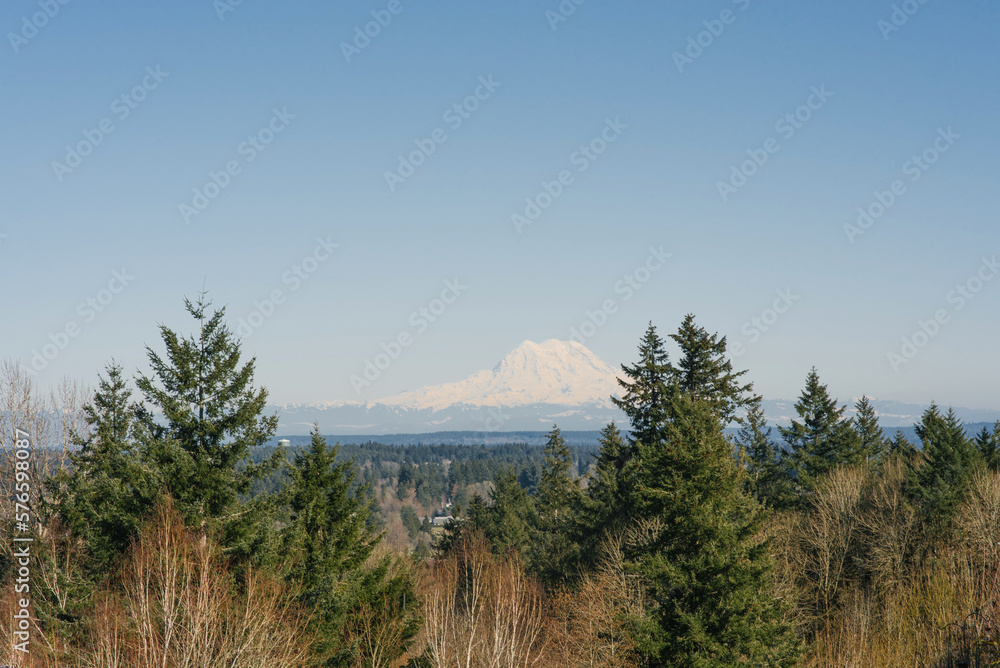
(441, 521)
(284, 443)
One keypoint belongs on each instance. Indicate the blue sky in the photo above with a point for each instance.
(370, 256)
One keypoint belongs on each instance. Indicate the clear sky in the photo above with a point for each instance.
(115, 113)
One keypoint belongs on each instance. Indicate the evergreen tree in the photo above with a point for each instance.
(211, 417)
(939, 477)
(706, 374)
(559, 496)
(512, 522)
(111, 490)
(872, 442)
(822, 438)
(711, 574)
(766, 479)
(645, 387)
(901, 446)
(329, 543)
(606, 494)
(989, 446)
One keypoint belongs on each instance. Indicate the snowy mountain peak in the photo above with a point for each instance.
(551, 372)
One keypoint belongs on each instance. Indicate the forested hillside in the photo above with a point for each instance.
(166, 530)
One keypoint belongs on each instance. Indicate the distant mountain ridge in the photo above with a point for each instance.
(531, 388)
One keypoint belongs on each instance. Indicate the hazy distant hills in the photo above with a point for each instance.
(533, 387)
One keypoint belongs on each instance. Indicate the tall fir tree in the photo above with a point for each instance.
(939, 478)
(766, 479)
(328, 542)
(606, 494)
(873, 444)
(900, 446)
(706, 374)
(711, 574)
(559, 498)
(645, 385)
(821, 438)
(513, 521)
(211, 416)
(988, 444)
(110, 489)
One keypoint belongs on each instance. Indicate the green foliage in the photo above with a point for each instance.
(559, 498)
(711, 573)
(767, 479)
(707, 374)
(329, 539)
(821, 438)
(645, 386)
(988, 444)
(939, 477)
(410, 521)
(606, 493)
(211, 417)
(872, 442)
(110, 490)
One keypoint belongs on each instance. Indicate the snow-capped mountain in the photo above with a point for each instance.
(532, 387)
(552, 372)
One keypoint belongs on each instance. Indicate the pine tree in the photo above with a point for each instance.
(822, 438)
(559, 496)
(871, 439)
(706, 374)
(645, 387)
(989, 446)
(766, 479)
(211, 417)
(606, 494)
(111, 490)
(328, 541)
(901, 446)
(711, 574)
(939, 477)
(512, 522)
